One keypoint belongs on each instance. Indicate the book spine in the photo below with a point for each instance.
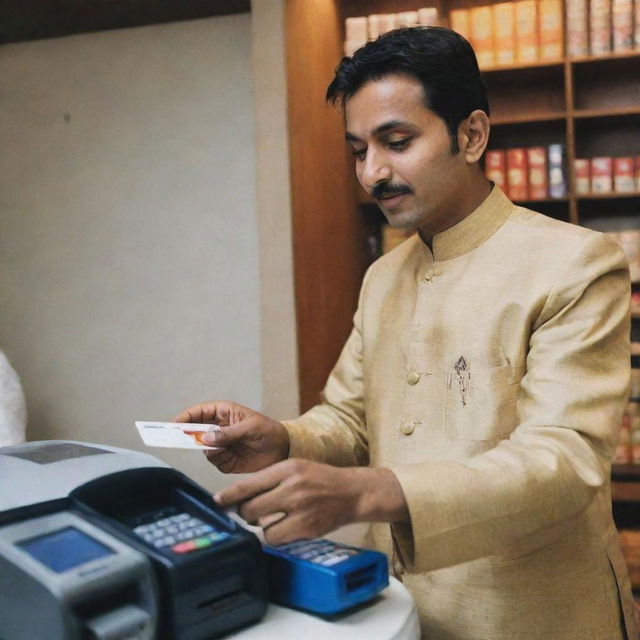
(622, 24)
(356, 34)
(624, 175)
(428, 17)
(496, 167)
(517, 174)
(551, 19)
(526, 30)
(582, 168)
(602, 174)
(482, 36)
(538, 183)
(600, 27)
(557, 172)
(577, 28)
(460, 21)
(407, 18)
(638, 173)
(504, 28)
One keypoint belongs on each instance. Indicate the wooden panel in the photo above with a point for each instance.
(607, 84)
(329, 233)
(510, 92)
(35, 19)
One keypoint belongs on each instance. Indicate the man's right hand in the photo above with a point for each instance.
(248, 440)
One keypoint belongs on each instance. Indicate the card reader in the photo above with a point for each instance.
(324, 577)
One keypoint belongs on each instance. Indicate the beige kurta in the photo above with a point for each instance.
(491, 376)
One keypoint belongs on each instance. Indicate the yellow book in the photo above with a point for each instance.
(526, 30)
(504, 29)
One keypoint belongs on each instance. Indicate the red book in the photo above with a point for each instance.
(517, 174)
(602, 174)
(582, 168)
(624, 175)
(496, 167)
(537, 161)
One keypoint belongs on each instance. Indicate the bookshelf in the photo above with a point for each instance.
(590, 104)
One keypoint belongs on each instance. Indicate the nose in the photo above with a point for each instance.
(374, 169)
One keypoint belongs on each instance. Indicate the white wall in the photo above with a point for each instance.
(129, 268)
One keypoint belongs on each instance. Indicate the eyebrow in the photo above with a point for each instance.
(383, 128)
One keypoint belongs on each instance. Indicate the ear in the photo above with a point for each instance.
(473, 135)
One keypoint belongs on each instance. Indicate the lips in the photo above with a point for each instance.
(392, 199)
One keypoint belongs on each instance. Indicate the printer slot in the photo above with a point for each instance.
(219, 604)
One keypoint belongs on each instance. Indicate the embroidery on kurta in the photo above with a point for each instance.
(463, 372)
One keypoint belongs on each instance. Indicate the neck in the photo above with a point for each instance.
(472, 196)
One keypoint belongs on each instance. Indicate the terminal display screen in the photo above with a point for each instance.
(64, 549)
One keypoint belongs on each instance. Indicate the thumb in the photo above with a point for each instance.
(223, 436)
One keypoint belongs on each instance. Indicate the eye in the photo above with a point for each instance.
(359, 154)
(399, 145)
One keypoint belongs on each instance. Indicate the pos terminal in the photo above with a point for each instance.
(101, 543)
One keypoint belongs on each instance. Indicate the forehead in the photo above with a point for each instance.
(394, 97)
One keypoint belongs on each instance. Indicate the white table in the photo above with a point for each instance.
(391, 616)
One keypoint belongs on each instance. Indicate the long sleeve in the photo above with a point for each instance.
(558, 457)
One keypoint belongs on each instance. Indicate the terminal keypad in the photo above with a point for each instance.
(178, 531)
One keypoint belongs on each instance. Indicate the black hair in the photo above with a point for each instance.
(441, 59)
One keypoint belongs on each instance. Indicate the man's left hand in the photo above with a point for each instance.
(297, 499)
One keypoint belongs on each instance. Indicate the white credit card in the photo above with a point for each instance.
(178, 435)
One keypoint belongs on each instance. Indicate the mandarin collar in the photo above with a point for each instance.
(473, 230)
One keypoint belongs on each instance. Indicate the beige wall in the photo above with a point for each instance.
(129, 245)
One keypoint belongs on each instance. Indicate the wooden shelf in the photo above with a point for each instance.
(610, 195)
(606, 113)
(524, 119)
(622, 55)
(522, 67)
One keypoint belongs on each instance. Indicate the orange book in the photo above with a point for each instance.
(517, 174)
(582, 174)
(526, 30)
(577, 28)
(495, 167)
(482, 36)
(504, 29)
(460, 22)
(550, 20)
(537, 163)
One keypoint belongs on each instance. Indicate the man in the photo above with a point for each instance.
(482, 384)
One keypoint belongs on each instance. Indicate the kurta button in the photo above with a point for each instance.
(429, 275)
(398, 568)
(406, 427)
(413, 377)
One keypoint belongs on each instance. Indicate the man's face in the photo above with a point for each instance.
(403, 154)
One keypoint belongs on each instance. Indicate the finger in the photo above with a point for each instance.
(259, 482)
(198, 413)
(265, 504)
(220, 457)
(273, 518)
(227, 435)
(283, 531)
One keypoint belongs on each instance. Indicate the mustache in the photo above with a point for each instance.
(388, 189)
